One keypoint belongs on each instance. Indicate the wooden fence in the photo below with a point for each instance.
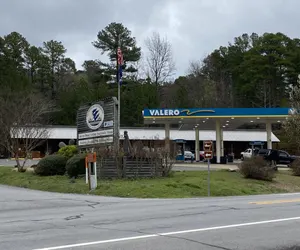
(129, 168)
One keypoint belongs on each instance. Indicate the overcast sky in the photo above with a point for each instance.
(194, 27)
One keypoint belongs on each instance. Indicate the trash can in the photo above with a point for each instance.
(223, 160)
(213, 160)
(230, 158)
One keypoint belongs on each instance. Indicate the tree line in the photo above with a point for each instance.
(252, 71)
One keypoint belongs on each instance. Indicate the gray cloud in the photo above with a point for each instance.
(194, 27)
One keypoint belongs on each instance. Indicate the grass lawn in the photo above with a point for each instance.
(180, 185)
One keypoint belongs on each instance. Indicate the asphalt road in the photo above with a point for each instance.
(31, 220)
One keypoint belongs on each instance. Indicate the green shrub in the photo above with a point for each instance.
(68, 151)
(257, 168)
(76, 165)
(51, 165)
(295, 166)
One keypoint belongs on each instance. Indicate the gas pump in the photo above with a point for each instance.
(91, 170)
(180, 145)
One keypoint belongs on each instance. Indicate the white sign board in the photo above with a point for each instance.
(95, 134)
(97, 123)
(103, 140)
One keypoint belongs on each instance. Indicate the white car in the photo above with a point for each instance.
(188, 155)
(246, 154)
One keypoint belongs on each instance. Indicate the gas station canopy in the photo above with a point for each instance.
(219, 118)
(203, 118)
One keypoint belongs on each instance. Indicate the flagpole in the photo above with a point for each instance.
(119, 96)
(119, 108)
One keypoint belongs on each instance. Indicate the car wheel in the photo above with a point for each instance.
(242, 158)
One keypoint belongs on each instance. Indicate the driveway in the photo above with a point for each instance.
(11, 163)
(201, 166)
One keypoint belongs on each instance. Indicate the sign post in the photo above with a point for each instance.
(208, 177)
(208, 154)
(91, 170)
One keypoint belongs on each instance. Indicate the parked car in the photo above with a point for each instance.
(248, 153)
(188, 155)
(201, 157)
(279, 156)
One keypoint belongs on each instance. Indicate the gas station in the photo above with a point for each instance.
(220, 119)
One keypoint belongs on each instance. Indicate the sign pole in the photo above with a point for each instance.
(95, 166)
(91, 159)
(89, 176)
(86, 171)
(208, 154)
(208, 177)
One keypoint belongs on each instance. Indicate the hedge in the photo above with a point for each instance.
(51, 165)
(76, 165)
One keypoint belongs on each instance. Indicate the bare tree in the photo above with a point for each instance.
(140, 72)
(201, 89)
(22, 116)
(195, 68)
(159, 59)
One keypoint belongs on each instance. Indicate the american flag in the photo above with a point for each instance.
(120, 64)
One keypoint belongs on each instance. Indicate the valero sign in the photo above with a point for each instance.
(218, 112)
(176, 112)
(164, 112)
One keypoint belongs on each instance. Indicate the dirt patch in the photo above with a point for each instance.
(289, 188)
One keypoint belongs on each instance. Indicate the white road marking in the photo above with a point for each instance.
(274, 202)
(168, 234)
(289, 194)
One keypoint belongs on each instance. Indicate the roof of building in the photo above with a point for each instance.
(189, 135)
(70, 132)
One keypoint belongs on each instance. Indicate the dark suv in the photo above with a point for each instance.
(281, 157)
